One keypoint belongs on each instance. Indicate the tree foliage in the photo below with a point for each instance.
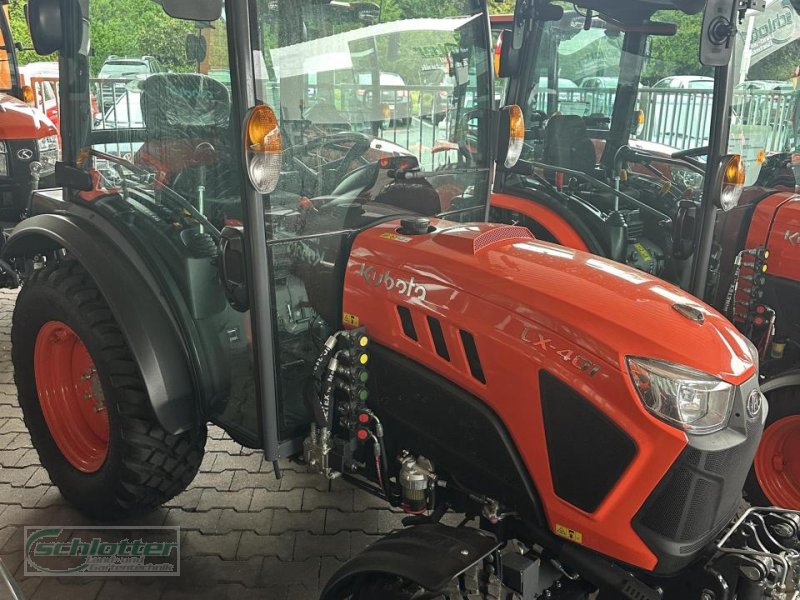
(129, 28)
(140, 27)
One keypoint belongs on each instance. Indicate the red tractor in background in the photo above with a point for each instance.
(28, 139)
(591, 179)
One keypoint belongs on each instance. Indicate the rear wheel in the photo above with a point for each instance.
(775, 476)
(85, 404)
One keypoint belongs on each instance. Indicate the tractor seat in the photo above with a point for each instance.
(184, 104)
(180, 112)
(567, 144)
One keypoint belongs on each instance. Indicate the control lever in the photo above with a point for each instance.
(203, 155)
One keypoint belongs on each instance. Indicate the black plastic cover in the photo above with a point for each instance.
(588, 453)
(429, 555)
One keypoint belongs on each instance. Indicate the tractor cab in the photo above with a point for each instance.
(28, 139)
(178, 156)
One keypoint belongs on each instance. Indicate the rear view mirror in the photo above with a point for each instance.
(44, 22)
(506, 58)
(193, 10)
(719, 26)
(196, 48)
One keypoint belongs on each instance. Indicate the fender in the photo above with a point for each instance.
(563, 226)
(785, 379)
(429, 555)
(139, 308)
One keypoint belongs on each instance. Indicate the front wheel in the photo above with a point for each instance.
(85, 404)
(774, 479)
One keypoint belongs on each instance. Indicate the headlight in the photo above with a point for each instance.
(689, 399)
(3, 160)
(48, 153)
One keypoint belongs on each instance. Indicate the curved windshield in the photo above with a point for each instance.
(361, 91)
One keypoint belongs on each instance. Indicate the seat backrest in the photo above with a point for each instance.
(567, 144)
(184, 105)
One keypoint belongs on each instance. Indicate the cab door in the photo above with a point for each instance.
(343, 82)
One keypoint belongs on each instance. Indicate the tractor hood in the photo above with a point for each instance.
(605, 308)
(20, 121)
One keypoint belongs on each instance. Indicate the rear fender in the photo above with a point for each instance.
(134, 298)
(562, 226)
(428, 555)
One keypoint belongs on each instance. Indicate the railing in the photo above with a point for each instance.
(681, 119)
(419, 117)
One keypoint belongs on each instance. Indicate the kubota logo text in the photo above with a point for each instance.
(404, 287)
(793, 237)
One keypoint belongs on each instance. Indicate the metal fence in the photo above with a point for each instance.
(681, 119)
(418, 117)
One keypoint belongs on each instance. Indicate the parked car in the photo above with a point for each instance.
(394, 102)
(685, 82)
(569, 100)
(120, 70)
(600, 94)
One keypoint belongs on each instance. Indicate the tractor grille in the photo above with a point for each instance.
(696, 498)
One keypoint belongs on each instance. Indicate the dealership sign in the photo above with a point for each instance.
(777, 26)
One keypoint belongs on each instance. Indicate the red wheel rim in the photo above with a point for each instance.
(777, 462)
(71, 397)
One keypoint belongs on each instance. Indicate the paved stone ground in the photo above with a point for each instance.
(244, 533)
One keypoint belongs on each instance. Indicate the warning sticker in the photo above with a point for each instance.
(351, 320)
(395, 237)
(643, 252)
(570, 534)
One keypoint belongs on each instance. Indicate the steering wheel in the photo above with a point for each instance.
(359, 145)
(690, 155)
(538, 116)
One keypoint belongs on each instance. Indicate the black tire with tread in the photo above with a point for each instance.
(146, 466)
(783, 402)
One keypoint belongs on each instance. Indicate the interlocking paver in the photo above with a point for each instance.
(245, 534)
(342, 499)
(284, 520)
(265, 499)
(337, 520)
(212, 570)
(205, 522)
(251, 544)
(236, 500)
(231, 520)
(201, 544)
(79, 589)
(308, 545)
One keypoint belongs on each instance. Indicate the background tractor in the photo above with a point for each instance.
(28, 139)
(266, 251)
(638, 169)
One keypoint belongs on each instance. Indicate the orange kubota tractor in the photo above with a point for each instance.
(319, 282)
(28, 139)
(624, 158)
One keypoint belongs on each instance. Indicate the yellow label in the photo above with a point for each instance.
(570, 534)
(352, 320)
(643, 252)
(395, 237)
